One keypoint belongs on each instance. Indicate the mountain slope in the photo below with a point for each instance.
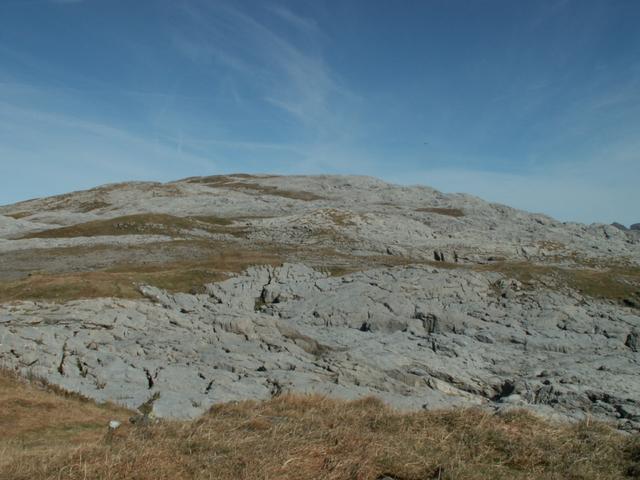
(423, 299)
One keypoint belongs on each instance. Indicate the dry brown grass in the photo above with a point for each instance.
(178, 266)
(92, 205)
(18, 215)
(341, 218)
(231, 182)
(291, 437)
(146, 223)
(450, 212)
(551, 245)
(616, 282)
(38, 419)
(121, 280)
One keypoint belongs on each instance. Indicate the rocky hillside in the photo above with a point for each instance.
(181, 295)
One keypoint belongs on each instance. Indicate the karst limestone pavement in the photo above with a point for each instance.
(429, 332)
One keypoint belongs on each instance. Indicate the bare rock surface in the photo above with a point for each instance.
(418, 317)
(418, 337)
(368, 214)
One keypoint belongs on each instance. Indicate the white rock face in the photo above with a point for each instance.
(417, 337)
(414, 335)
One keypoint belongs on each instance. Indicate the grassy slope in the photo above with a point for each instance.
(616, 282)
(210, 262)
(47, 434)
(147, 223)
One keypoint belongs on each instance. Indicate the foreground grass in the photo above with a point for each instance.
(48, 435)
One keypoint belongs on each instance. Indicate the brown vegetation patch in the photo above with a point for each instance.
(340, 218)
(95, 198)
(617, 282)
(550, 245)
(249, 176)
(18, 215)
(142, 224)
(90, 206)
(300, 437)
(450, 212)
(274, 191)
(39, 418)
(155, 189)
(231, 182)
(223, 179)
(121, 280)
(213, 220)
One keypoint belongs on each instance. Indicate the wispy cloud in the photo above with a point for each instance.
(58, 151)
(35, 117)
(294, 79)
(539, 110)
(304, 24)
(595, 188)
(25, 3)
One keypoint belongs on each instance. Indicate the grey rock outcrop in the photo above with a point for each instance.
(417, 337)
(353, 214)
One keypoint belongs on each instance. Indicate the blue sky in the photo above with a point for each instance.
(531, 103)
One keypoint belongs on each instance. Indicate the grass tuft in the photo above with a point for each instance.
(46, 435)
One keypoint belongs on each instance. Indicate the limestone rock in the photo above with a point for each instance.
(425, 320)
(411, 335)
